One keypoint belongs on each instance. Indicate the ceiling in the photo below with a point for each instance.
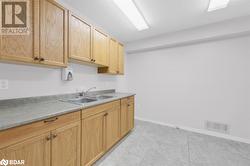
(163, 16)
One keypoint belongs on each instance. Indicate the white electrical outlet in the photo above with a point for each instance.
(4, 84)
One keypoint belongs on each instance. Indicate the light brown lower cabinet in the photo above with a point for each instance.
(131, 120)
(58, 146)
(74, 139)
(124, 116)
(93, 135)
(102, 128)
(65, 145)
(127, 115)
(34, 151)
(113, 125)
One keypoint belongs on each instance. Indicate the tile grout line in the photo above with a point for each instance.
(189, 161)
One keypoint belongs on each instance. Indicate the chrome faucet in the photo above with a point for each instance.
(85, 93)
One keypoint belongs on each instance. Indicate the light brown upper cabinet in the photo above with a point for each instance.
(79, 39)
(56, 34)
(120, 59)
(100, 47)
(112, 59)
(23, 48)
(53, 38)
(113, 56)
(115, 59)
(46, 43)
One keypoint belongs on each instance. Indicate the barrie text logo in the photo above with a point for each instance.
(14, 17)
(4, 162)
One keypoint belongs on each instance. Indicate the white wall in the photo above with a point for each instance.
(188, 85)
(26, 81)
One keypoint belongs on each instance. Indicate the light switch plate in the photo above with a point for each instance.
(4, 84)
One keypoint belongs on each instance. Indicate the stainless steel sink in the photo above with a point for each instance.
(82, 100)
(103, 97)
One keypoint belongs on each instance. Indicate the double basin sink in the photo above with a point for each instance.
(86, 99)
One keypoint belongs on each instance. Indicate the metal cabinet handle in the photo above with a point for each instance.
(50, 120)
(41, 59)
(36, 58)
(54, 135)
(48, 138)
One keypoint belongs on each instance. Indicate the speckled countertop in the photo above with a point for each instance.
(19, 112)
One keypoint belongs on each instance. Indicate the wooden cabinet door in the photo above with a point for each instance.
(124, 116)
(100, 47)
(34, 151)
(113, 125)
(66, 145)
(79, 39)
(130, 116)
(121, 58)
(113, 56)
(53, 33)
(23, 48)
(93, 138)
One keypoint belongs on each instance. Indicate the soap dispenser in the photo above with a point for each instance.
(67, 74)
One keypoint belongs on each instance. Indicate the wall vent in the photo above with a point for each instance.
(217, 127)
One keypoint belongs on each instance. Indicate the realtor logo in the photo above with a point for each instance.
(14, 14)
(14, 17)
(4, 162)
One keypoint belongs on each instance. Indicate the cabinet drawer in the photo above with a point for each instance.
(17, 134)
(98, 109)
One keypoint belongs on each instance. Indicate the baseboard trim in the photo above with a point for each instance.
(200, 131)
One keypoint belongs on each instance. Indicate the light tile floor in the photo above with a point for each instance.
(155, 145)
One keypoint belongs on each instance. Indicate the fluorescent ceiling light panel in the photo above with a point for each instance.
(217, 4)
(130, 10)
